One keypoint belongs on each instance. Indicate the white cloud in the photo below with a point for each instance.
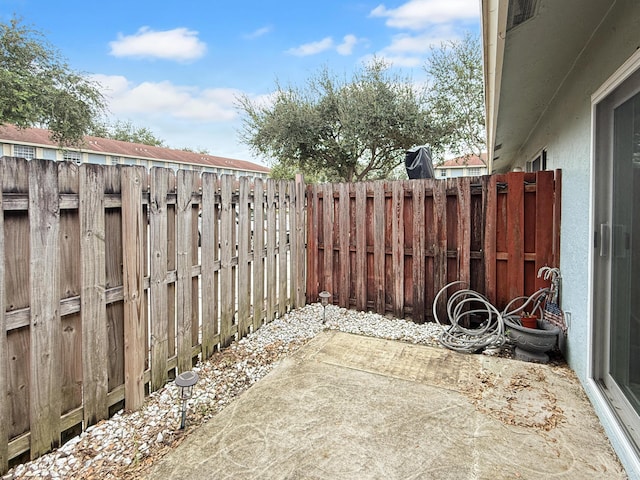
(404, 43)
(265, 100)
(182, 116)
(153, 99)
(111, 84)
(346, 47)
(411, 50)
(178, 44)
(419, 14)
(312, 48)
(258, 33)
(403, 61)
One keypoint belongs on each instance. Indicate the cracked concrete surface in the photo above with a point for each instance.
(353, 407)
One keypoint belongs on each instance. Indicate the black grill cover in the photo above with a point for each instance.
(418, 163)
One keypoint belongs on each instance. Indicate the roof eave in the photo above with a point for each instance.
(494, 26)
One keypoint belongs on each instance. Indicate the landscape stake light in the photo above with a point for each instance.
(324, 300)
(186, 381)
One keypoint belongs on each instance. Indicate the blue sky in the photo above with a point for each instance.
(177, 67)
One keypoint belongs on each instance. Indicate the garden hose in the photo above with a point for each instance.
(465, 303)
(456, 336)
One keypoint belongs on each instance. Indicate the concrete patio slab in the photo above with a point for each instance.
(353, 407)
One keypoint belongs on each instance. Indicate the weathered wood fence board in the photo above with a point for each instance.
(133, 286)
(186, 183)
(4, 354)
(45, 399)
(159, 290)
(258, 255)
(210, 238)
(95, 381)
(411, 238)
(106, 292)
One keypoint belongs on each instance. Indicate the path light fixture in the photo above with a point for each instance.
(186, 381)
(324, 300)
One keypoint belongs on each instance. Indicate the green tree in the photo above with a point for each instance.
(200, 150)
(126, 131)
(39, 89)
(338, 130)
(455, 96)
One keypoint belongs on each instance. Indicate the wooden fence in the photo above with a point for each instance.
(390, 247)
(114, 279)
(106, 293)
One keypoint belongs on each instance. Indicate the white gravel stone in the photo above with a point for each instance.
(115, 447)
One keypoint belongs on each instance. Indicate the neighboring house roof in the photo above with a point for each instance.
(106, 146)
(466, 161)
(527, 59)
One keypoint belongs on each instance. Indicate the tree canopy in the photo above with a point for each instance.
(126, 131)
(455, 96)
(338, 130)
(39, 89)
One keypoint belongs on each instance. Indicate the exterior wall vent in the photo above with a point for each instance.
(520, 11)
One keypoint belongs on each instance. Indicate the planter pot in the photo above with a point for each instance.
(532, 343)
(529, 322)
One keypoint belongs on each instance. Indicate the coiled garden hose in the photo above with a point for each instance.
(465, 303)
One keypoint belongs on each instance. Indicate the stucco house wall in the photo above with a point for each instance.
(566, 132)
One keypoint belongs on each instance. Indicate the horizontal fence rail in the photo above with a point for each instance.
(115, 279)
(390, 247)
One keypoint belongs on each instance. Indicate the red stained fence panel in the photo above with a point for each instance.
(390, 247)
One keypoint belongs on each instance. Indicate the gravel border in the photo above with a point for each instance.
(127, 443)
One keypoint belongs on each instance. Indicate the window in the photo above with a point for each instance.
(538, 163)
(475, 171)
(68, 156)
(24, 151)
(443, 173)
(520, 11)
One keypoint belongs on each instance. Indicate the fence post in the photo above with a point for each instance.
(4, 356)
(93, 310)
(133, 276)
(44, 224)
